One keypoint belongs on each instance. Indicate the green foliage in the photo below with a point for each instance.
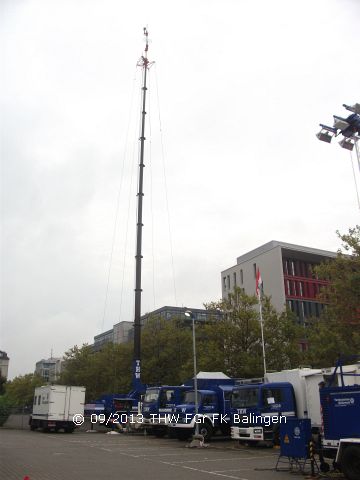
(5, 409)
(342, 295)
(2, 385)
(166, 351)
(234, 344)
(20, 390)
(327, 340)
(338, 330)
(282, 335)
(108, 370)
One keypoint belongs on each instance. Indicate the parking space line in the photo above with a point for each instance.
(208, 472)
(234, 470)
(214, 473)
(223, 459)
(161, 454)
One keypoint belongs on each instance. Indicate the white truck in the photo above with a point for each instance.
(54, 407)
(349, 376)
(305, 382)
(257, 410)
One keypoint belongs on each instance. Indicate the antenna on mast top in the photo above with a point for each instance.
(146, 33)
(143, 61)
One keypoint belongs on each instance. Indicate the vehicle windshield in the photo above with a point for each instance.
(189, 397)
(151, 395)
(245, 397)
(167, 396)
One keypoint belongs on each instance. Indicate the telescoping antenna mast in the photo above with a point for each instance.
(145, 65)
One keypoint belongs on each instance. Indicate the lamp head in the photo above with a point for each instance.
(324, 136)
(347, 143)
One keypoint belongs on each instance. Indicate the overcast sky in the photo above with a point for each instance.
(240, 88)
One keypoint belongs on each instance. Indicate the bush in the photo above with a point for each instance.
(5, 409)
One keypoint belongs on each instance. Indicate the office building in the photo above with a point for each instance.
(288, 276)
(4, 364)
(49, 369)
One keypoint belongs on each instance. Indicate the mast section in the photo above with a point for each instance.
(145, 65)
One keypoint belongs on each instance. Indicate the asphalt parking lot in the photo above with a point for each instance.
(94, 456)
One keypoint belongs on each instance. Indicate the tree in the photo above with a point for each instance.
(20, 390)
(337, 332)
(342, 294)
(108, 370)
(282, 335)
(166, 351)
(2, 385)
(234, 342)
(327, 340)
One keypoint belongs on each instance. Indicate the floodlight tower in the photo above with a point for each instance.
(349, 128)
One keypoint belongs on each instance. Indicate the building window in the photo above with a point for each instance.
(292, 268)
(234, 279)
(241, 277)
(224, 282)
(228, 282)
(302, 312)
(254, 265)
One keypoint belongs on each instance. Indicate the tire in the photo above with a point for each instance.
(276, 436)
(32, 424)
(226, 430)
(44, 427)
(324, 467)
(350, 462)
(206, 430)
(160, 432)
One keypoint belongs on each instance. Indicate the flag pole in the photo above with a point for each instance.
(262, 334)
(259, 289)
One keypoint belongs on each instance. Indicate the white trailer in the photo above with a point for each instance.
(305, 382)
(350, 375)
(54, 407)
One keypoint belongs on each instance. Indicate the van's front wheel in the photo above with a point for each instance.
(350, 462)
(206, 430)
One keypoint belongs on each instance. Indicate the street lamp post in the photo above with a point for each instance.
(189, 314)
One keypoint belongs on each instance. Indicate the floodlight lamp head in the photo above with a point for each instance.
(340, 123)
(189, 314)
(353, 108)
(348, 144)
(324, 136)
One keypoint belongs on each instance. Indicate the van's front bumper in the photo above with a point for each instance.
(247, 434)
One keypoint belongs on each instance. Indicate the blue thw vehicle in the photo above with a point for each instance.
(213, 408)
(114, 410)
(158, 405)
(258, 410)
(340, 407)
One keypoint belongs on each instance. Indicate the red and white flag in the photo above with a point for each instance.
(259, 284)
